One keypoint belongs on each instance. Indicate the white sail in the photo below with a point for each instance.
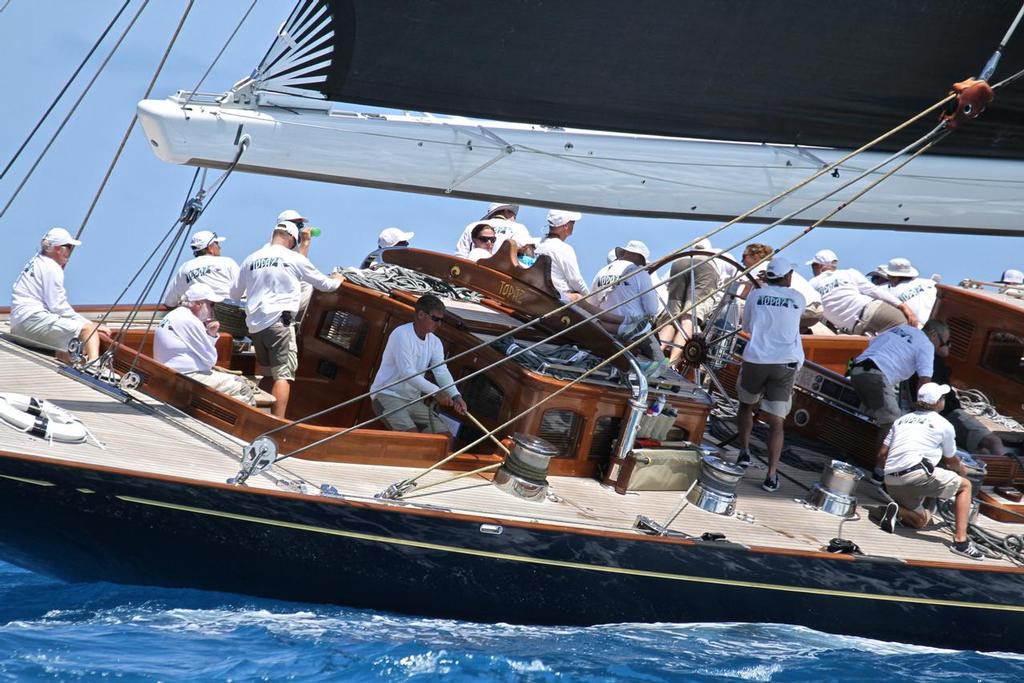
(592, 171)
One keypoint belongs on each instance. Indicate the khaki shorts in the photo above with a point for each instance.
(49, 330)
(969, 430)
(414, 418)
(879, 398)
(703, 310)
(877, 317)
(230, 385)
(772, 381)
(910, 490)
(276, 350)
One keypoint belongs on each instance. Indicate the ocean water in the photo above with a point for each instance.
(50, 630)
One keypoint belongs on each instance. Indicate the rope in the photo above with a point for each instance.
(74, 107)
(217, 58)
(63, 90)
(387, 278)
(135, 118)
(1009, 547)
(976, 403)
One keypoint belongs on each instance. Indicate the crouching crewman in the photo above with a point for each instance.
(909, 455)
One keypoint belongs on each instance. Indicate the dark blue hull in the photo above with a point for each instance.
(80, 523)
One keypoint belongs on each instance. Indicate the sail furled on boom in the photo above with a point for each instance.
(784, 71)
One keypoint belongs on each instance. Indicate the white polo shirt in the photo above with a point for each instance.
(270, 278)
(40, 287)
(917, 435)
(635, 280)
(406, 355)
(900, 352)
(605, 276)
(504, 229)
(565, 269)
(772, 317)
(182, 343)
(845, 293)
(919, 294)
(219, 272)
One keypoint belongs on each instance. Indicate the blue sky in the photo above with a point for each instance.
(41, 42)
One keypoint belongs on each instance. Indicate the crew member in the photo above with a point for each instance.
(40, 311)
(638, 314)
(186, 341)
(207, 266)
(770, 361)
(607, 275)
(483, 241)
(565, 269)
(971, 434)
(388, 237)
(851, 303)
(502, 218)
(917, 292)
(692, 280)
(909, 456)
(271, 277)
(527, 252)
(411, 349)
(756, 252)
(878, 277)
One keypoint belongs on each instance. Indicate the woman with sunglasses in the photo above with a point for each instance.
(483, 237)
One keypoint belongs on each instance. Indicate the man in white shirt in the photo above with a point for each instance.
(388, 237)
(565, 269)
(410, 350)
(851, 303)
(916, 292)
(693, 285)
(271, 278)
(607, 275)
(207, 266)
(186, 341)
(755, 252)
(40, 311)
(912, 449)
(502, 217)
(770, 361)
(638, 315)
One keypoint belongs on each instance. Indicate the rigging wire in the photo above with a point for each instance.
(135, 118)
(217, 58)
(63, 90)
(74, 107)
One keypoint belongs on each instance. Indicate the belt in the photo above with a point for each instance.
(918, 466)
(866, 364)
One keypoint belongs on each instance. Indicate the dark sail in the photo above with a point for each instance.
(788, 71)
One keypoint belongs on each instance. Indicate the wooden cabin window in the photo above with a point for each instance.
(561, 428)
(606, 431)
(1004, 352)
(483, 397)
(345, 330)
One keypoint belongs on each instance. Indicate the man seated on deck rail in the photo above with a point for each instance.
(639, 314)
(271, 277)
(186, 342)
(565, 269)
(853, 305)
(388, 237)
(40, 311)
(909, 456)
(411, 349)
(207, 266)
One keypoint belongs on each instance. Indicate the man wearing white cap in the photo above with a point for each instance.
(207, 266)
(565, 269)
(638, 315)
(389, 237)
(692, 280)
(912, 449)
(1013, 279)
(916, 292)
(851, 303)
(501, 217)
(607, 275)
(40, 311)
(186, 342)
(271, 277)
(770, 361)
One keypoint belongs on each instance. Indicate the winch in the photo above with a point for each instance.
(524, 473)
(715, 490)
(834, 493)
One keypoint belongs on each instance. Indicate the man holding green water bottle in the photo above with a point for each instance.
(306, 235)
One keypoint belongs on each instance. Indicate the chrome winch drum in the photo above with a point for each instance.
(525, 470)
(833, 494)
(715, 490)
(976, 471)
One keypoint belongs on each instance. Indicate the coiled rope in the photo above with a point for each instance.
(387, 278)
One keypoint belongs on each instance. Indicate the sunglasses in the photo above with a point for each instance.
(944, 342)
(487, 239)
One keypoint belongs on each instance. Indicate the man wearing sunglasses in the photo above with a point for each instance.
(206, 267)
(410, 350)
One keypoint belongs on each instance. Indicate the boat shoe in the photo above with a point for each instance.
(967, 549)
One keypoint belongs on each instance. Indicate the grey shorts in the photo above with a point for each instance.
(770, 383)
(49, 330)
(276, 350)
(910, 490)
(880, 399)
(877, 317)
(414, 418)
(969, 430)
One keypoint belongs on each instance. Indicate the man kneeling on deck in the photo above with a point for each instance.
(909, 456)
(186, 342)
(411, 349)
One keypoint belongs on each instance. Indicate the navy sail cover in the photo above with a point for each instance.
(836, 73)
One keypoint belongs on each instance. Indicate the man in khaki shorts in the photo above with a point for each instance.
(270, 279)
(770, 360)
(912, 449)
(850, 303)
(691, 280)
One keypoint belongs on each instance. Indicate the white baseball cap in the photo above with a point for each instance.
(825, 257)
(1012, 276)
(499, 206)
(779, 267)
(530, 241)
(931, 392)
(634, 247)
(702, 245)
(898, 267)
(204, 238)
(200, 291)
(290, 228)
(291, 215)
(57, 237)
(558, 218)
(389, 237)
